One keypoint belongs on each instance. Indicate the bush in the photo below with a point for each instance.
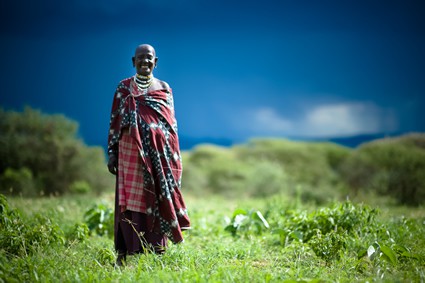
(17, 181)
(312, 172)
(391, 166)
(266, 167)
(80, 187)
(306, 162)
(330, 231)
(100, 219)
(216, 170)
(266, 178)
(44, 150)
(345, 218)
(221, 170)
(80, 232)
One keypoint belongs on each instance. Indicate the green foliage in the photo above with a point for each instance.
(329, 245)
(247, 222)
(306, 163)
(334, 232)
(100, 219)
(17, 181)
(391, 166)
(263, 168)
(211, 254)
(80, 187)
(80, 232)
(326, 230)
(41, 154)
(105, 256)
(311, 171)
(217, 169)
(19, 237)
(382, 258)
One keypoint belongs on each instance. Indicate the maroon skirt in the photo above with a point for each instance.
(131, 235)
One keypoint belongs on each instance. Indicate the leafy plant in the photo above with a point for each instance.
(341, 218)
(247, 222)
(329, 245)
(80, 232)
(105, 256)
(100, 219)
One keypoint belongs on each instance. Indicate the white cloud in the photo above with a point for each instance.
(327, 120)
(346, 119)
(268, 120)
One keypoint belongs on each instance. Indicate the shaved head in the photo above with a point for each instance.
(145, 47)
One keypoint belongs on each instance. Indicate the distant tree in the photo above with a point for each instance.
(390, 166)
(47, 146)
(264, 167)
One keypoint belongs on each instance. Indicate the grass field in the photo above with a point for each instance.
(266, 240)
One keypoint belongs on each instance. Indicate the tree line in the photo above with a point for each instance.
(41, 154)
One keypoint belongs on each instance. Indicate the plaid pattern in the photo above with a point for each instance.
(130, 175)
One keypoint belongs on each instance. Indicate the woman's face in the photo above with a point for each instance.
(144, 60)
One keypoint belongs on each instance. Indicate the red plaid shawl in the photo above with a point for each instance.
(131, 191)
(152, 125)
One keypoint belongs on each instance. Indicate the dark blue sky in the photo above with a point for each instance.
(238, 69)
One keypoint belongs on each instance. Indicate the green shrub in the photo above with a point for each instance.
(105, 256)
(47, 146)
(345, 217)
(391, 166)
(247, 223)
(265, 167)
(80, 232)
(195, 179)
(328, 246)
(80, 187)
(266, 178)
(100, 219)
(17, 181)
(217, 170)
(305, 162)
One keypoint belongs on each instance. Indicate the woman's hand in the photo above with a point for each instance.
(113, 163)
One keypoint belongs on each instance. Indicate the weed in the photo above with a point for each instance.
(100, 219)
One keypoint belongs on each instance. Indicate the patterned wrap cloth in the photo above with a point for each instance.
(146, 125)
(131, 187)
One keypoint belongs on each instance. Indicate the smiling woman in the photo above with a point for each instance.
(144, 154)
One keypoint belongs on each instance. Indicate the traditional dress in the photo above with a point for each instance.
(149, 206)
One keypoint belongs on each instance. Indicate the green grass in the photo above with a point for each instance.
(211, 254)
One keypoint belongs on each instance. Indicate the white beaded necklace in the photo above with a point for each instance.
(143, 83)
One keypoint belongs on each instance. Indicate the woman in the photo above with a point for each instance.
(144, 154)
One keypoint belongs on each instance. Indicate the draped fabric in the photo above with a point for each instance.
(131, 191)
(150, 122)
(131, 234)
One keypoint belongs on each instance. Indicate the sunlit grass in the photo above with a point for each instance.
(209, 253)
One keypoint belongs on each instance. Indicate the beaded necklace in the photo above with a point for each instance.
(143, 83)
